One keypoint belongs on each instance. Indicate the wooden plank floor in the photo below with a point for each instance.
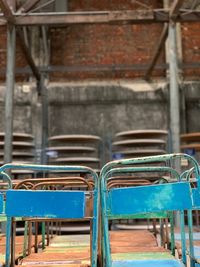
(70, 251)
(139, 248)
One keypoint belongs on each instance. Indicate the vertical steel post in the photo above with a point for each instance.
(44, 100)
(9, 94)
(174, 98)
(10, 83)
(174, 90)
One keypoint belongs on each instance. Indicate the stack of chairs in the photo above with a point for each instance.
(139, 143)
(46, 200)
(75, 150)
(190, 144)
(23, 152)
(42, 201)
(133, 144)
(163, 202)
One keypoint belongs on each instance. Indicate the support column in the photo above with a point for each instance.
(45, 120)
(9, 94)
(174, 90)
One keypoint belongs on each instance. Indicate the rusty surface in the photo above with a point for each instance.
(58, 256)
(58, 265)
(133, 241)
(69, 250)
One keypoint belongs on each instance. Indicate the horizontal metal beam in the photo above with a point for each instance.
(111, 17)
(96, 68)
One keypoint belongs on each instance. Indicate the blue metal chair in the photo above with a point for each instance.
(51, 204)
(131, 202)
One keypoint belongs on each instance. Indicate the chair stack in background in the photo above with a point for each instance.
(75, 150)
(139, 143)
(190, 144)
(23, 151)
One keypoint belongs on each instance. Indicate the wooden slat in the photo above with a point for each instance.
(142, 133)
(75, 138)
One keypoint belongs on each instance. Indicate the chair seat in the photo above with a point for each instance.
(149, 263)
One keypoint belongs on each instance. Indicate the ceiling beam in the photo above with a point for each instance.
(27, 6)
(7, 11)
(11, 19)
(175, 9)
(157, 51)
(110, 17)
(173, 14)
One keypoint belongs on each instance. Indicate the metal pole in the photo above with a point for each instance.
(44, 100)
(174, 90)
(9, 95)
(174, 99)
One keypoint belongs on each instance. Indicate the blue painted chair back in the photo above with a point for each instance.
(51, 204)
(127, 202)
(148, 199)
(45, 204)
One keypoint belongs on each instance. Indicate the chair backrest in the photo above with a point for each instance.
(118, 203)
(122, 202)
(46, 204)
(147, 199)
(52, 204)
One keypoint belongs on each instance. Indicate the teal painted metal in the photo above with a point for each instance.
(148, 199)
(117, 167)
(145, 160)
(151, 263)
(44, 204)
(1, 203)
(74, 169)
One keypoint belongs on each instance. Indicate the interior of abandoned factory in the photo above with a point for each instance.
(99, 133)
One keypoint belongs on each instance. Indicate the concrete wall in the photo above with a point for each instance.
(99, 108)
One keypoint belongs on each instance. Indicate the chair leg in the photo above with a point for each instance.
(8, 238)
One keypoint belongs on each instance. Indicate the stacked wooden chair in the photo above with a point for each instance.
(190, 144)
(46, 200)
(75, 150)
(159, 201)
(43, 200)
(139, 143)
(23, 152)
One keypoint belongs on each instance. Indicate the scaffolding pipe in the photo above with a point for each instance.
(174, 98)
(44, 137)
(174, 90)
(9, 94)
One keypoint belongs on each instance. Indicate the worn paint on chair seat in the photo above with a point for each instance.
(149, 263)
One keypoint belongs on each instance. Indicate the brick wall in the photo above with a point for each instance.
(191, 48)
(116, 51)
(20, 59)
(108, 51)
